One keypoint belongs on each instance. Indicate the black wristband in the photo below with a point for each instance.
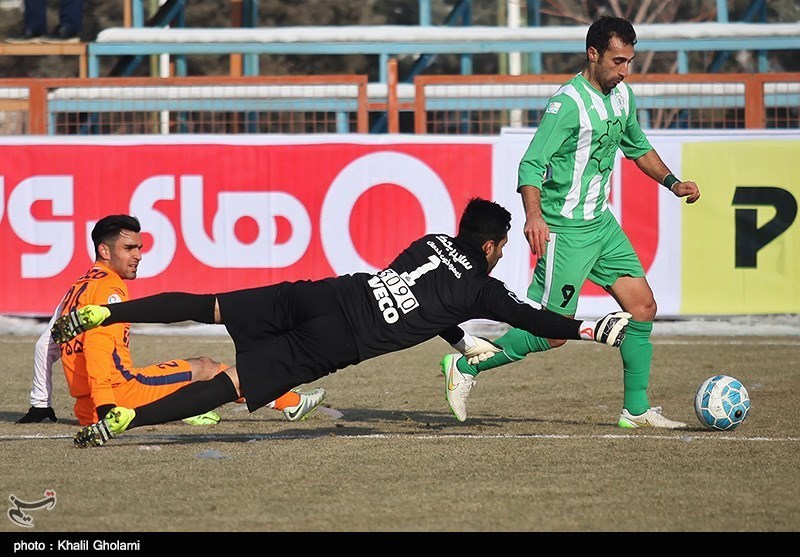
(669, 181)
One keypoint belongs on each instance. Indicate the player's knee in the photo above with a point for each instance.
(204, 368)
(645, 311)
(651, 310)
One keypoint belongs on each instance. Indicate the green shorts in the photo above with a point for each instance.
(600, 253)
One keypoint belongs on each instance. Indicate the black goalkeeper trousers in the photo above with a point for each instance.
(286, 335)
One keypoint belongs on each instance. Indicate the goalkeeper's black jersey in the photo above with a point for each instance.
(434, 284)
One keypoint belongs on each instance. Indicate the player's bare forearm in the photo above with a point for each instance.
(536, 230)
(652, 165)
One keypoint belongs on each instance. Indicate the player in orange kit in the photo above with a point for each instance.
(98, 364)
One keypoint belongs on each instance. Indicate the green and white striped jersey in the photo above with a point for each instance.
(571, 155)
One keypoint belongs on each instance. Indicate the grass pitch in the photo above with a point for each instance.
(539, 451)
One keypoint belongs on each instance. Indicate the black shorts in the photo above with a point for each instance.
(285, 335)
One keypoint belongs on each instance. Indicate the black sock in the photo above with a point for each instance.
(193, 399)
(169, 307)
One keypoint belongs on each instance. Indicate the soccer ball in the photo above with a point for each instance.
(721, 402)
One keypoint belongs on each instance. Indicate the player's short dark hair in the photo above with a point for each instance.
(109, 228)
(484, 220)
(601, 31)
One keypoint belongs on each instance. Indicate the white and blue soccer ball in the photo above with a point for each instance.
(722, 403)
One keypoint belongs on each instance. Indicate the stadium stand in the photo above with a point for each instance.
(457, 104)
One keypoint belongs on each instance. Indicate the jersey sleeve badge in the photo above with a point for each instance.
(553, 107)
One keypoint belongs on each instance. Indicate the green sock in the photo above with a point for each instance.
(516, 344)
(637, 353)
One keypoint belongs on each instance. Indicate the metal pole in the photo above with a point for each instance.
(424, 12)
(514, 58)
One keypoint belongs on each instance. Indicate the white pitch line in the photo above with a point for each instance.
(686, 438)
(749, 341)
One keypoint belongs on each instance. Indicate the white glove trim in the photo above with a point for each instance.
(476, 349)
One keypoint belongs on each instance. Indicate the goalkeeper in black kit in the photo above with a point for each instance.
(293, 333)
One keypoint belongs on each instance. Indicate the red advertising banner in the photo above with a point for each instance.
(222, 216)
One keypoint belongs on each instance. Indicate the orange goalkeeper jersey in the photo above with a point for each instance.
(93, 362)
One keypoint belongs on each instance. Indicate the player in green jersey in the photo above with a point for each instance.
(564, 181)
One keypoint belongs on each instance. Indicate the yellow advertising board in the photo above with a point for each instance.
(741, 241)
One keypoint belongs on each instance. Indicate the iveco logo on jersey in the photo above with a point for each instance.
(389, 282)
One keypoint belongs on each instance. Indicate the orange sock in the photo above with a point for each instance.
(289, 399)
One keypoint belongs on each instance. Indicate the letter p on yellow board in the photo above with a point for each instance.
(741, 241)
